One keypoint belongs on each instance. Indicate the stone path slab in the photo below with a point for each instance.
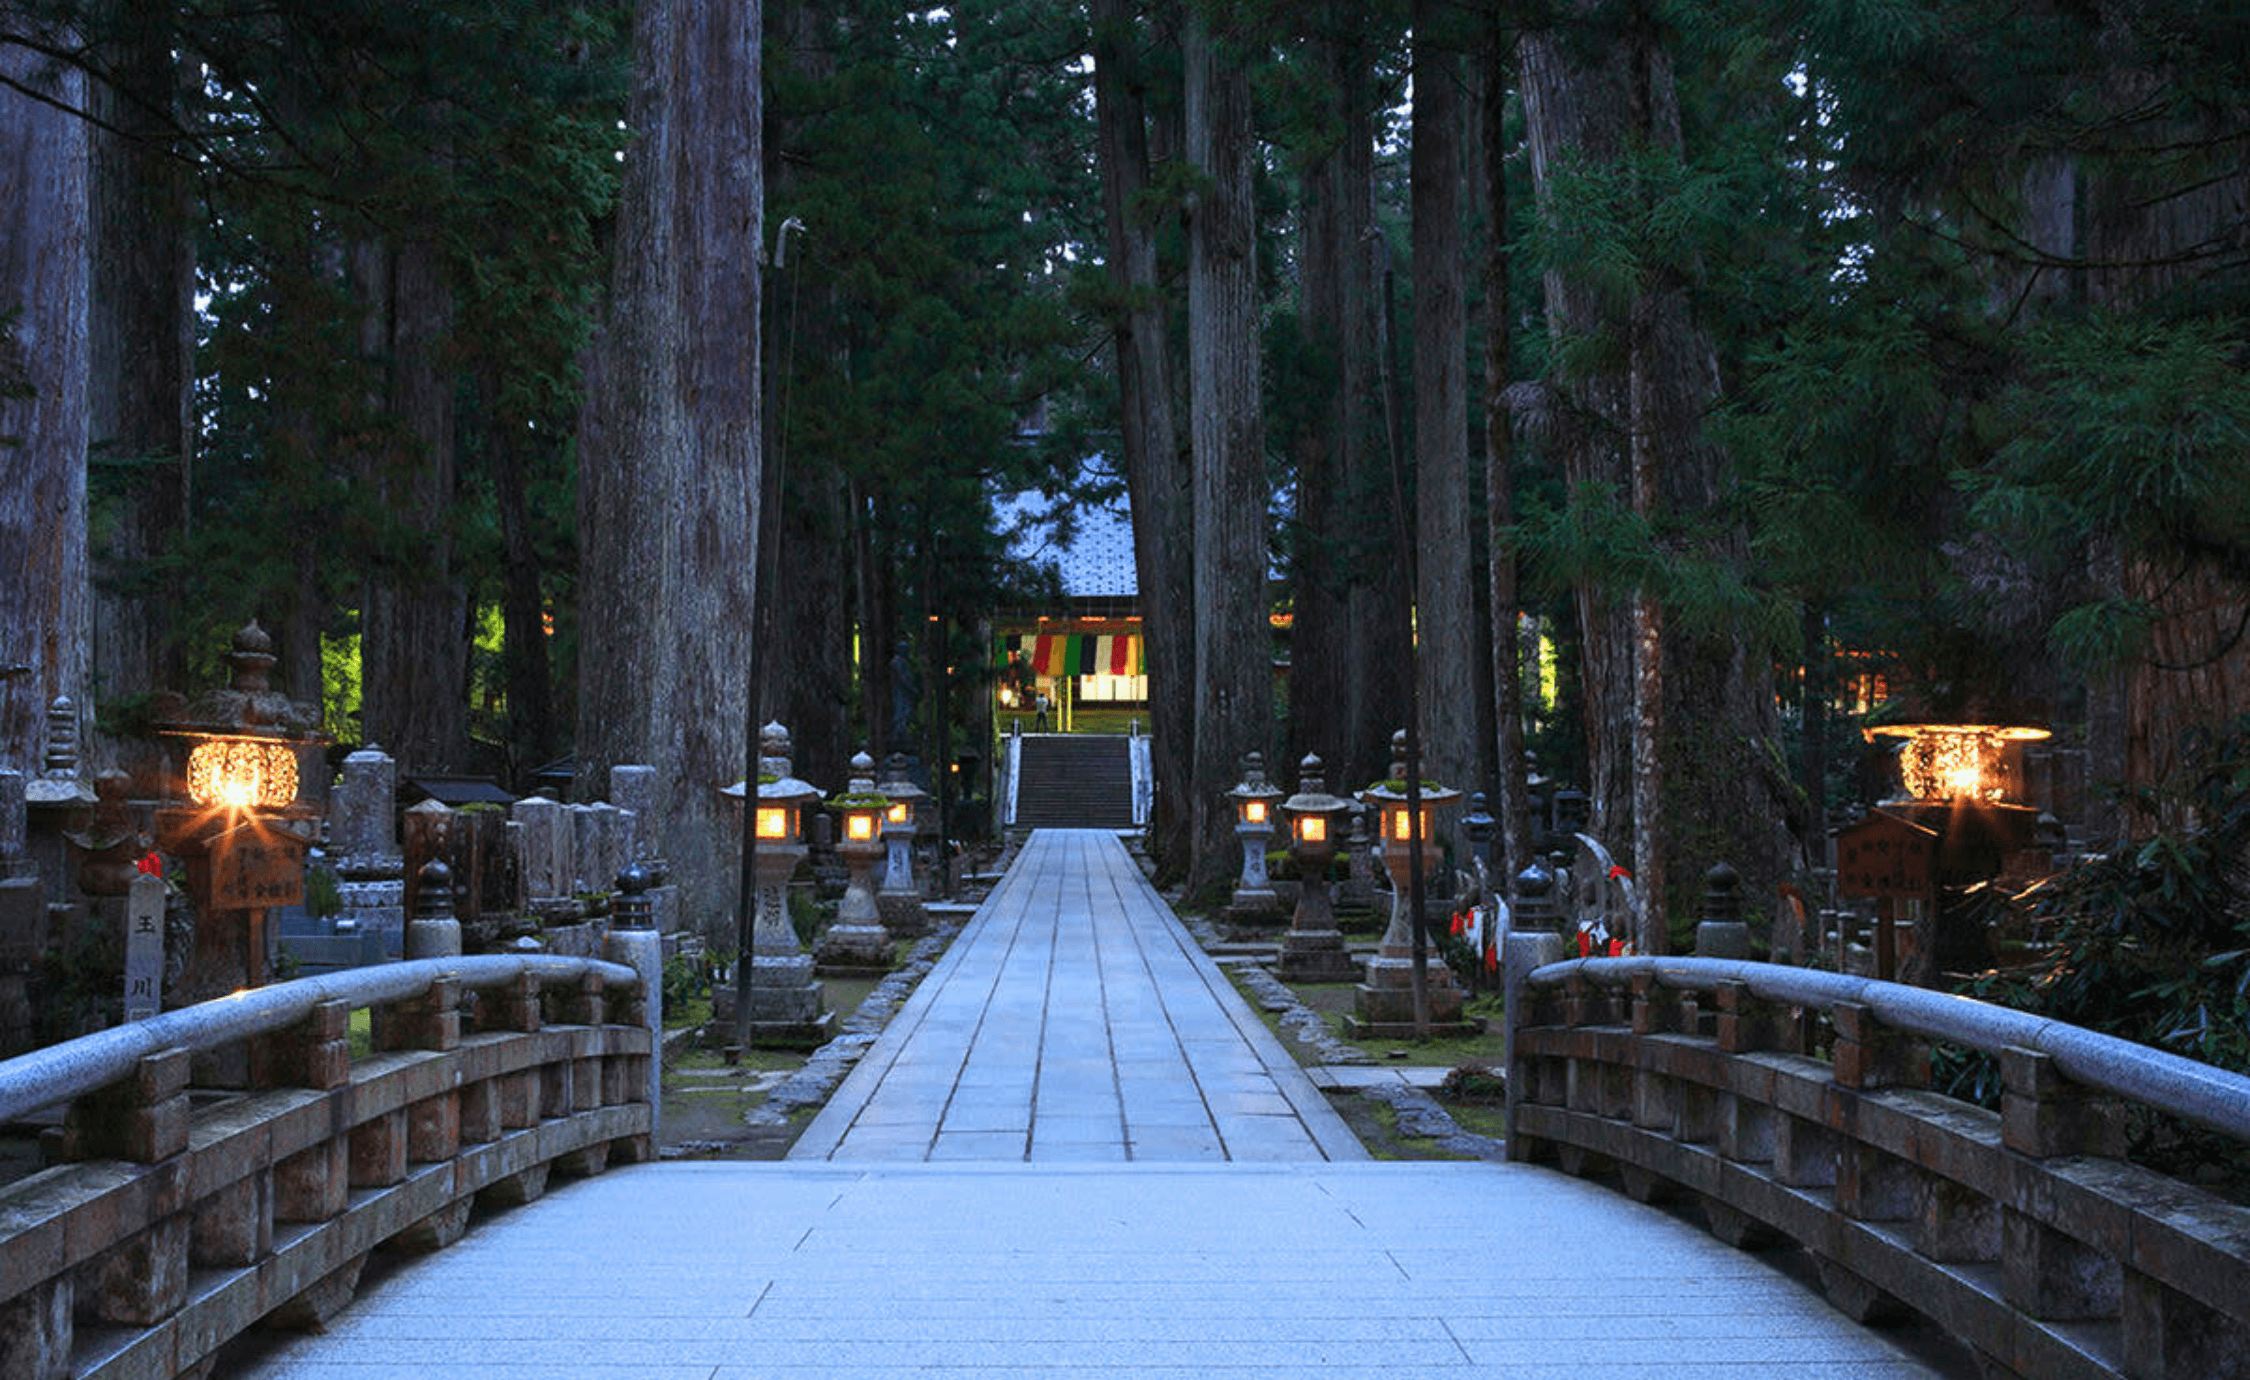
(743, 1271)
(1075, 1020)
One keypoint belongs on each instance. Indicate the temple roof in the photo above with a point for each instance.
(1090, 546)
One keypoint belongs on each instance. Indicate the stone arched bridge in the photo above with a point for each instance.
(1076, 1149)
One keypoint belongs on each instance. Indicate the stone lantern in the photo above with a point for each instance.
(1254, 799)
(242, 831)
(786, 1001)
(857, 945)
(1383, 1007)
(1313, 950)
(899, 901)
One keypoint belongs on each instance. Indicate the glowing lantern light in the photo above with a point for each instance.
(1312, 828)
(1956, 761)
(242, 773)
(773, 821)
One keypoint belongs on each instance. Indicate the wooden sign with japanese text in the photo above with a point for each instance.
(1885, 856)
(257, 868)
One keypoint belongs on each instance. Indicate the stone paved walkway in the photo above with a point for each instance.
(1073, 1021)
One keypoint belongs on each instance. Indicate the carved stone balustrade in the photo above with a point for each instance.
(182, 1217)
(1794, 1107)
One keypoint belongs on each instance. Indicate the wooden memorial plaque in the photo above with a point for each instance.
(1886, 857)
(257, 868)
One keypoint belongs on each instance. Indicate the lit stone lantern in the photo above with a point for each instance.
(899, 901)
(242, 831)
(1383, 1007)
(1958, 820)
(1254, 799)
(857, 945)
(786, 1000)
(1944, 762)
(1313, 950)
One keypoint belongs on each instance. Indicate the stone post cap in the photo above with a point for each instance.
(1722, 893)
(433, 898)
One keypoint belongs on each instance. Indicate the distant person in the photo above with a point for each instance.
(1039, 721)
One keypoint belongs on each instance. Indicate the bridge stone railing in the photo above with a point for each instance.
(1794, 1105)
(182, 1216)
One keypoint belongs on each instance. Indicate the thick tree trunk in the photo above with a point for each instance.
(1158, 475)
(1512, 805)
(669, 458)
(1649, 823)
(45, 597)
(1717, 701)
(872, 599)
(1382, 641)
(1234, 673)
(527, 671)
(1338, 550)
(142, 341)
(414, 620)
(2143, 218)
(808, 683)
(1444, 610)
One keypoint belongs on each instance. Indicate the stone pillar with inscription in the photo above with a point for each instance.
(363, 848)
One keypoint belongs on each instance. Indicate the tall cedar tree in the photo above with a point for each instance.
(669, 449)
(45, 595)
(1233, 670)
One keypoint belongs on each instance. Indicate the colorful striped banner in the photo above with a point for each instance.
(1081, 654)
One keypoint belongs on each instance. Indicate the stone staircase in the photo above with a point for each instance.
(1075, 781)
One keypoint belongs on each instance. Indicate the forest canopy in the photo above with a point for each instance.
(1817, 345)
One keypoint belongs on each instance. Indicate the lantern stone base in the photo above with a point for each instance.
(856, 950)
(1316, 956)
(1254, 906)
(903, 914)
(1383, 1005)
(786, 1004)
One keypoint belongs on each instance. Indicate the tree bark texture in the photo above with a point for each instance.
(808, 683)
(414, 618)
(526, 666)
(2145, 219)
(1159, 475)
(1447, 644)
(1512, 805)
(669, 455)
(1340, 550)
(45, 595)
(1233, 666)
(1382, 640)
(142, 343)
(1649, 824)
(1723, 788)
